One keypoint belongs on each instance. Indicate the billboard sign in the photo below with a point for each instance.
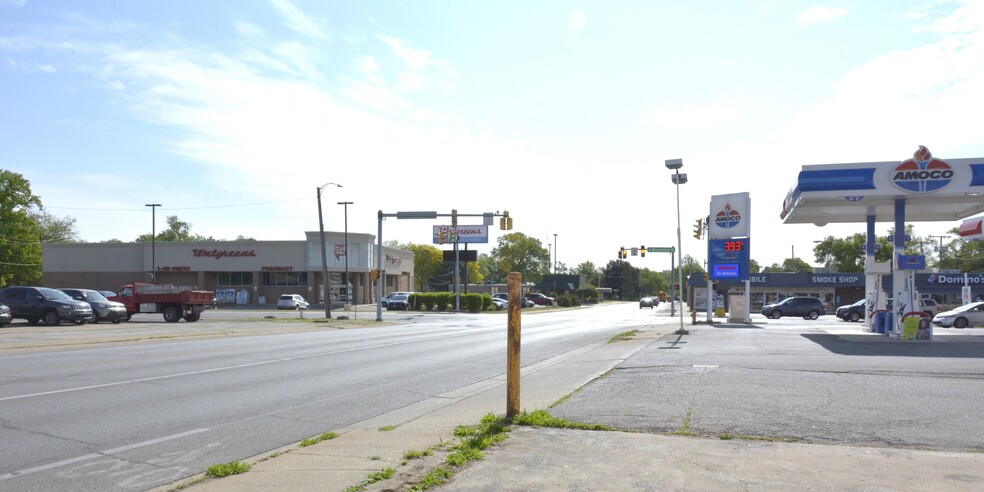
(729, 216)
(464, 234)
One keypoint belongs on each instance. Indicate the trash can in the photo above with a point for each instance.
(883, 322)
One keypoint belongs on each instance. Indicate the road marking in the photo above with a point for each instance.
(84, 457)
(239, 366)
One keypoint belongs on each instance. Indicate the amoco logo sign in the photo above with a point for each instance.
(728, 217)
(923, 173)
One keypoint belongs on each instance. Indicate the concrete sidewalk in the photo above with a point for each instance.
(554, 459)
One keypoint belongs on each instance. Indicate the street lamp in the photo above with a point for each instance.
(153, 240)
(348, 293)
(325, 285)
(555, 255)
(678, 179)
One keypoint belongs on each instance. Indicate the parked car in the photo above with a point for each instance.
(107, 293)
(526, 303)
(540, 299)
(292, 301)
(499, 304)
(41, 303)
(852, 312)
(102, 309)
(649, 302)
(807, 307)
(928, 306)
(5, 316)
(967, 315)
(399, 301)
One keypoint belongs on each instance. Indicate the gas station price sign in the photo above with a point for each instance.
(728, 258)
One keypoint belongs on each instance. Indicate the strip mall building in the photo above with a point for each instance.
(242, 272)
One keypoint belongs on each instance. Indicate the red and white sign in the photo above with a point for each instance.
(971, 229)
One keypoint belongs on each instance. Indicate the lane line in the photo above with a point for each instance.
(85, 457)
(238, 366)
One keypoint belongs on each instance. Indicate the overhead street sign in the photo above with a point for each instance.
(671, 249)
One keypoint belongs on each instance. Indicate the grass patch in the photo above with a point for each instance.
(384, 474)
(375, 457)
(315, 440)
(541, 418)
(433, 478)
(226, 469)
(745, 437)
(473, 440)
(386, 428)
(413, 454)
(625, 335)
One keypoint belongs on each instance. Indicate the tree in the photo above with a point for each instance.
(177, 230)
(589, 270)
(791, 265)
(962, 255)
(20, 235)
(622, 278)
(753, 266)
(55, 229)
(517, 252)
(427, 261)
(653, 282)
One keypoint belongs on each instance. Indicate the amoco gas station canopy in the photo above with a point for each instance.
(932, 189)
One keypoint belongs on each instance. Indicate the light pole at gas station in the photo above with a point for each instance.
(678, 179)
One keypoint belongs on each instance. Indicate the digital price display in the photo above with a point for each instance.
(728, 258)
(734, 246)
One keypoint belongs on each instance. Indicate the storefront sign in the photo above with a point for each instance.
(174, 269)
(339, 250)
(277, 268)
(218, 253)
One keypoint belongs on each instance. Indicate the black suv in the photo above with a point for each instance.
(807, 307)
(40, 303)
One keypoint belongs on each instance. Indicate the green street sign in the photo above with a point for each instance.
(671, 249)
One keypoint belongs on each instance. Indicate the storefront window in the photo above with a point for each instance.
(284, 278)
(235, 278)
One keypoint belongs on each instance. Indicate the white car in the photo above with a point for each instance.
(292, 301)
(967, 315)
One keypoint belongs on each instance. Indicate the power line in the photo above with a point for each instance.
(178, 208)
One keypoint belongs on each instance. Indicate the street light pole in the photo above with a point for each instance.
(678, 179)
(555, 255)
(325, 285)
(348, 293)
(153, 240)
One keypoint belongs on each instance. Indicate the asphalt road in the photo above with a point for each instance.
(141, 404)
(820, 382)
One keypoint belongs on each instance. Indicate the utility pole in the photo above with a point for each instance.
(941, 247)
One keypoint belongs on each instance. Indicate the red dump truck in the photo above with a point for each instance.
(174, 301)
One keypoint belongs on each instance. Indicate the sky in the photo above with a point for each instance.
(231, 114)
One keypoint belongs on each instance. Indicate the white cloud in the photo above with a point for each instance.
(577, 20)
(297, 20)
(818, 14)
(414, 59)
(47, 68)
(690, 116)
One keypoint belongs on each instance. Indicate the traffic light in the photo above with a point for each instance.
(642, 251)
(699, 228)
(375, 274)
(505, 222)
(622, 253)
(706, 278)
(442, 235)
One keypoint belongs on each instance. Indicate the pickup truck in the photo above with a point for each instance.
(173, 301)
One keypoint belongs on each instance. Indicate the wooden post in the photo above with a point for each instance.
(513, 343)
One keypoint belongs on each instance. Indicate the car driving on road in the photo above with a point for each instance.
(5, 316)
